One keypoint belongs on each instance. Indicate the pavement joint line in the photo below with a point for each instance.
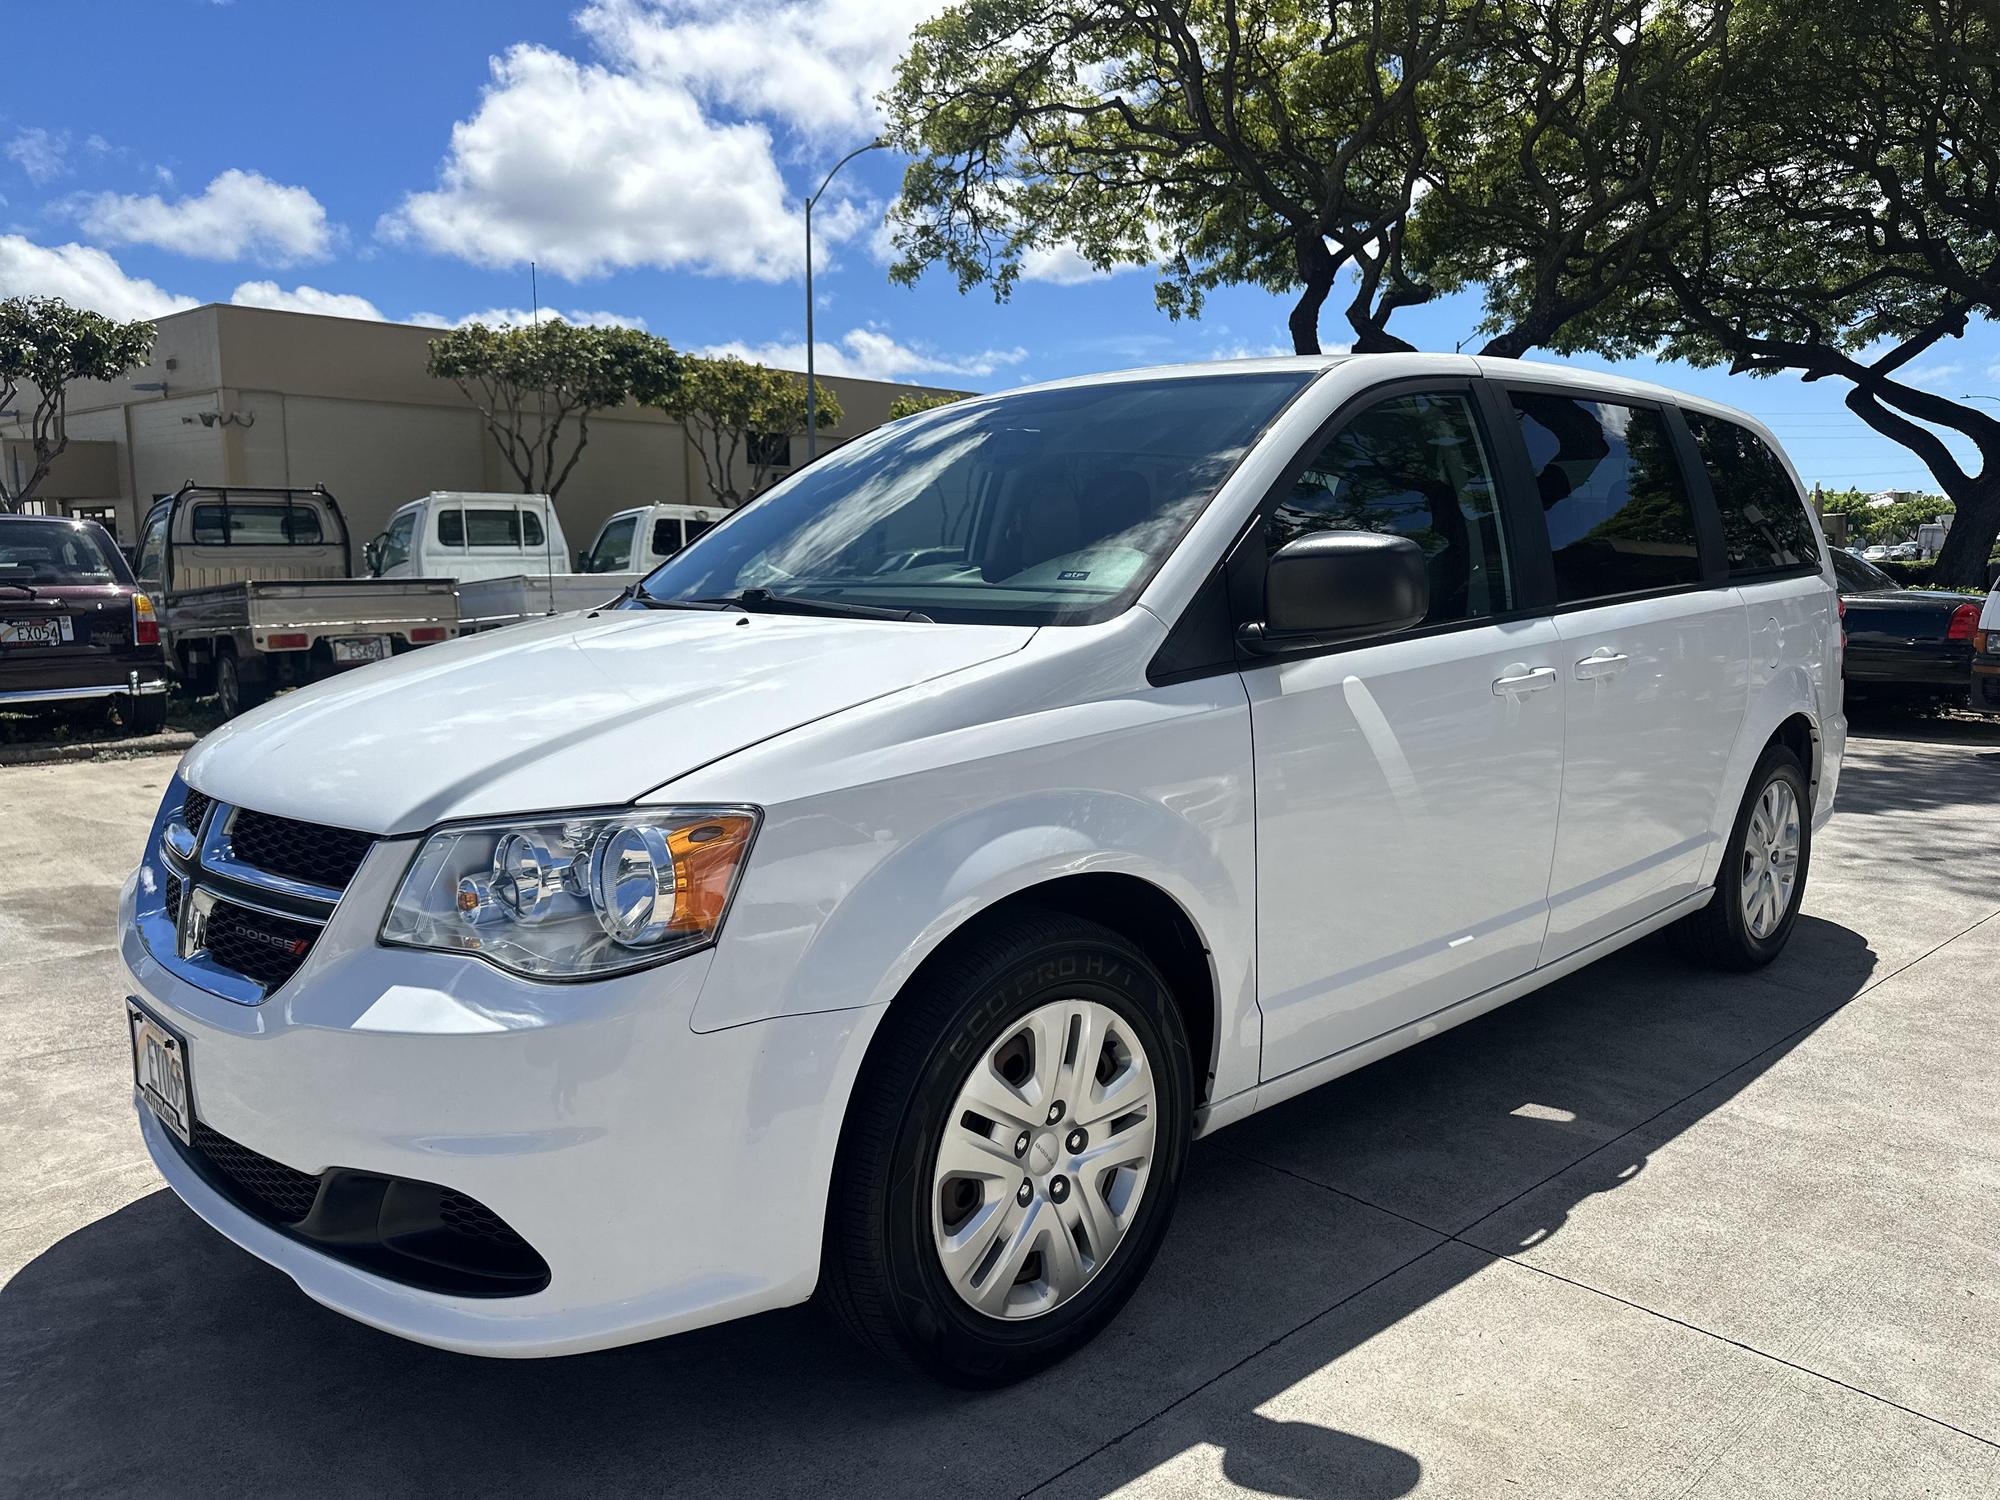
(1188, 1395)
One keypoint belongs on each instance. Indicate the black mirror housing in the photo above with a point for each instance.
(1341, 585)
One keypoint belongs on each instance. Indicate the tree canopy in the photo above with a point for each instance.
(741, 418)
(45, 346)
(529, 382)
(912, 402)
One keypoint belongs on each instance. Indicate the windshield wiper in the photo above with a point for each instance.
(27, 588)
(810, 604)
(653, 601)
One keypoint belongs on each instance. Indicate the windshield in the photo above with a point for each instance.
(1853, 576)
(1040, 508)
(54, 552)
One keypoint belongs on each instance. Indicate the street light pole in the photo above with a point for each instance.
(812, 395)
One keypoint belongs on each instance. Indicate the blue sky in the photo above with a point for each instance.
(406, 161)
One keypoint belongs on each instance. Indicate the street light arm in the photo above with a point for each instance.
(877, 144)
(1968, 397)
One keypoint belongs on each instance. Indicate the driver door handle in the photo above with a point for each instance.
(1603, 662)
(1521, 678)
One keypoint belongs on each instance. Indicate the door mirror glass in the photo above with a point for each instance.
(371, 553)
(1341, 585)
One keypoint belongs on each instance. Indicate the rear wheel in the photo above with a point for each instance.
(236, 690)
(1762, 881)
(1011, 1158)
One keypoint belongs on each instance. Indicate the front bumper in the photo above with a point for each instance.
(669, 1178)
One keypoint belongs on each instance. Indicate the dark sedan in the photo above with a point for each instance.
(74, 629)
(1908, 644)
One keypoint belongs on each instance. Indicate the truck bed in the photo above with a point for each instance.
(338, 606)
(488, 603)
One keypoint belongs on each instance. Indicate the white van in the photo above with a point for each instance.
(1985, 696)
(470, 534)
(876, 902)
(638, 541)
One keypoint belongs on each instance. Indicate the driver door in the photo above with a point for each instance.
(1407, 786)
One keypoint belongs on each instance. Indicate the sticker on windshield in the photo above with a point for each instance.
(1073, 576)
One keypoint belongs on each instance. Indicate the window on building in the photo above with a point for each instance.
(770, 450)
(1412, 466)
(1618, 514)
(1764, 521)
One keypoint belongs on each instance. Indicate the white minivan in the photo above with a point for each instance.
(468, 535)
(878, 901)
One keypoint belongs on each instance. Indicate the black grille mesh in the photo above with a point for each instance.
(471, 1217)
(266, 948)
(171, 899)
(299, 851)
(194, 807)
(283, 1195)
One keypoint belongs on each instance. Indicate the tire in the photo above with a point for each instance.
(145, 713)
(236, 690)
(1733, 931)
(893, 1208)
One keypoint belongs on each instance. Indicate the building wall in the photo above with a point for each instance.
(347, 404)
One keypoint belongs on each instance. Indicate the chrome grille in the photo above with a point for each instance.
(234, 899)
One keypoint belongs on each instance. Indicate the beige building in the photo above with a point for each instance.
(249, 396)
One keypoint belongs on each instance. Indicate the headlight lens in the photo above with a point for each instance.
(575, 897)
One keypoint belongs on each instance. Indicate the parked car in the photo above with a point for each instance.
(1985, 695)
(254, 595)
(75, 631)
(1876, 553)
(466, 535)
(1903, 644)
(881, 899)
(638, 541)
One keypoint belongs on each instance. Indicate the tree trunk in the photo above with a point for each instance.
(1316, 272)
(1961, 562)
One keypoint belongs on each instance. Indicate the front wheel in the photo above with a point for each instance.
(1762, 881)
(1010, 1162)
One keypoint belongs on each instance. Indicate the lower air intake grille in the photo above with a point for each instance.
(280, 1194)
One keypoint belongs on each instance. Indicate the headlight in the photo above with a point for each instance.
(575, 897)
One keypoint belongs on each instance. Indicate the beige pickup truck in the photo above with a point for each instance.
(254, 592)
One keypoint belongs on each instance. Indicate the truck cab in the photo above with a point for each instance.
(639, 540)
(468, 535)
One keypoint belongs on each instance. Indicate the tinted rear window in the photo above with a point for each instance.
(489, 528)
(1618, 514)
(1764, 524)
(255, 525)
(56, 552)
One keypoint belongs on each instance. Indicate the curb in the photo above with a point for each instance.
(172, 742)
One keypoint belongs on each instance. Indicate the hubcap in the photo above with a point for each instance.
(1019, 1233)
(1770, 859)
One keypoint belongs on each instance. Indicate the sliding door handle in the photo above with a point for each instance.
(1521, 678)
(1603, 662)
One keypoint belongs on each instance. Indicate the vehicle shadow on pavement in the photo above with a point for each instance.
(144, 1351)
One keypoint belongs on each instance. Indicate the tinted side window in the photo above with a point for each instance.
(1414, 466)
(153, 547)
(614, 546)
(1618, 515)
(1764, 524)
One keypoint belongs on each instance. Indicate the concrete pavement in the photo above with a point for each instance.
(1649, 1231)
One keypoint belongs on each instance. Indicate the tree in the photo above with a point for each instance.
(737, 410)
(1395, 143)
(527, 383)
(45, 344)
(912, 402)
(1846, 222)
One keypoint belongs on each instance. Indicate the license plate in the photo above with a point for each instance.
(42, 631)
(160, 1068)
(361, 648)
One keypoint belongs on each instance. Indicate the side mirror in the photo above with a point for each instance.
(582, 560)
(1339, 586)
(371, 553)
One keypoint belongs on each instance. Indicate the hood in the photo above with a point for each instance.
(576, 711)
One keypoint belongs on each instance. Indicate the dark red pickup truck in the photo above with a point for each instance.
(74, 629)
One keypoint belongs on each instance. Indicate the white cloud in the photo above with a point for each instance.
(817, 65)
(585, 170)
(871, 354)
(82, 276)
(1063, 265)
(240, 215)
(521, 317)
(1944, 373)
(42, 154)
(305, 299)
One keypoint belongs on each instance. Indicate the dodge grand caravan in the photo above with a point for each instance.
(877, 901)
